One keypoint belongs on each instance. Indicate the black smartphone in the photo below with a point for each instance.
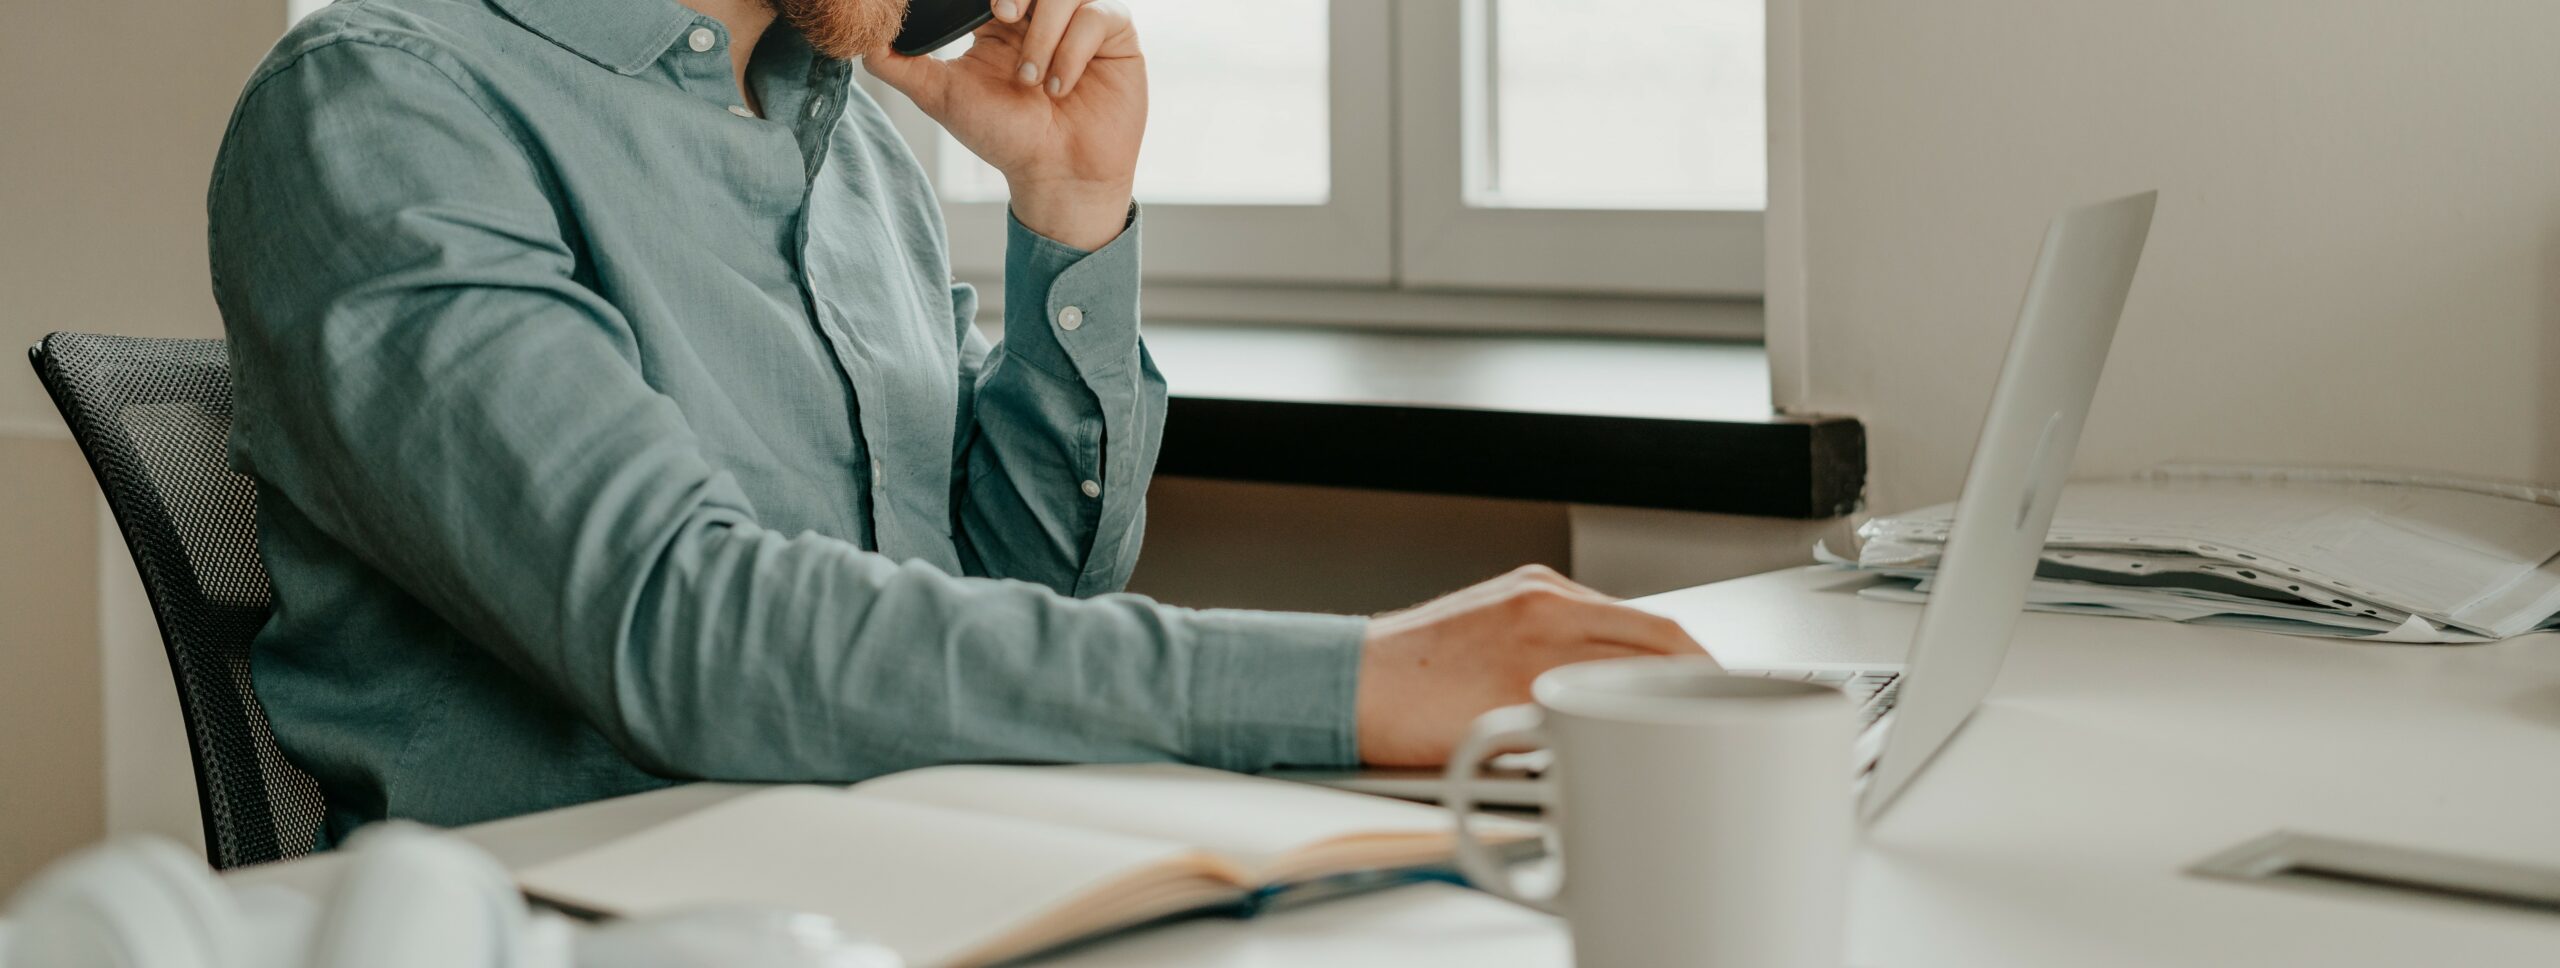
(933, 23)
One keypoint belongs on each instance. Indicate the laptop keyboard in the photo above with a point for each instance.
(1874, 692)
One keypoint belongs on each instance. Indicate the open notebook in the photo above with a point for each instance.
(964, 865)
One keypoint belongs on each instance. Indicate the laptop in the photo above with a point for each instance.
(1911, 710)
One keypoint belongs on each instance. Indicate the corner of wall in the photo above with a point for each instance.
(1786, 297)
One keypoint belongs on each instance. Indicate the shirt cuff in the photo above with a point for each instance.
(1275, 689)
(1071, 312)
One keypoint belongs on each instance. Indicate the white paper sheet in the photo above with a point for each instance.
(2078, 600)
(2407, 552)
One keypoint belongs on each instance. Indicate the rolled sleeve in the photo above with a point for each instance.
(1275, 689)
(1064, 425)
(1045, 278)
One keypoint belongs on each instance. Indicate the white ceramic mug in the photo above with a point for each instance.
(1703, 819)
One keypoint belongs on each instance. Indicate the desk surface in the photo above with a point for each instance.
(2113, 754)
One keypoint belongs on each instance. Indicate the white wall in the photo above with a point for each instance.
(2356, 257)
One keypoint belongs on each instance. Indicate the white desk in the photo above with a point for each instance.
(2053, 831)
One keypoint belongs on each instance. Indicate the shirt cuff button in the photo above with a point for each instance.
(1070, 319)
(1092, 489)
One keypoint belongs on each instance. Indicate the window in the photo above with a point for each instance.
(1478, 163)
(1556, 146)
(1552, 164)
(1580, 112)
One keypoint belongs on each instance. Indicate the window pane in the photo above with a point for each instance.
(1238, 107)
(1623, 104)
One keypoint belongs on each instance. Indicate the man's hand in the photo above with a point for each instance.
(1428, 671)
(1053, 93)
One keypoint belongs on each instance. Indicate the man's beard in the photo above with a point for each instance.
(844, 29)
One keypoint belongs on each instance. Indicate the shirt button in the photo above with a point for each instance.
(1092, 489)
(817, 107)
(701, 39)
(1070, 319)
(875, 470)
(741, 111)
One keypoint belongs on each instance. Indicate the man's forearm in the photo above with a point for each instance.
(754, 656)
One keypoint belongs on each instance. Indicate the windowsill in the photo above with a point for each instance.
(1451, 311)
(1655, 423)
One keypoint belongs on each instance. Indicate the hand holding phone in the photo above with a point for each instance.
(1053, 94)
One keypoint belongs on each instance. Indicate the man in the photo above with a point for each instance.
(616, 421)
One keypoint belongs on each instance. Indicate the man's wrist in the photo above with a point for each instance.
(1086, 215)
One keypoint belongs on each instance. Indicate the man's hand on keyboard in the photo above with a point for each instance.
(1428, 671)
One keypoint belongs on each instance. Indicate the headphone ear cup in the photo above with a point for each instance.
(410, 898)
(141, 903)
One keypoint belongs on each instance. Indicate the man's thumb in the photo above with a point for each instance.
(921, 79)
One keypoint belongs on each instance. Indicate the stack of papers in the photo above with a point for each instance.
(2360, 554)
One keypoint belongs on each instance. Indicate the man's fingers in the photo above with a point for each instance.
(1506, 585)
(1518, 586)
(1544, 577)
(1620, 625)
(923, 80)
(1040, 36)
(1093, 26)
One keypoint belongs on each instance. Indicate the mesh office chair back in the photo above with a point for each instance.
(153, 415)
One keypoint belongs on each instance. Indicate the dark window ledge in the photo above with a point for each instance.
(1664, 424)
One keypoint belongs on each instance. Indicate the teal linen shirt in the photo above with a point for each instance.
(606, 436)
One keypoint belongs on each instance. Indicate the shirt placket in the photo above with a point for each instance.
(814, 126)
(803, 100)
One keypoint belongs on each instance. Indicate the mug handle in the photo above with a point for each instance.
(1494, 728)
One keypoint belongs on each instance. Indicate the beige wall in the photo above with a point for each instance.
(102, 174)
(52, 782)
(2356, 257)
(1227, 544)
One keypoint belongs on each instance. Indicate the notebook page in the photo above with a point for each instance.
(1252, 820)
(928, 882)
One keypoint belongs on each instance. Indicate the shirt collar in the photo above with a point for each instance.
(622, 35)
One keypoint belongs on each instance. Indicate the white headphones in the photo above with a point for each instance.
(407, 898)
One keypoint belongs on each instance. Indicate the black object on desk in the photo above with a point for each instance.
(1668, 424)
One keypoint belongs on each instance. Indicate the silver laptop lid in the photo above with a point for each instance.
(2055, 356)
